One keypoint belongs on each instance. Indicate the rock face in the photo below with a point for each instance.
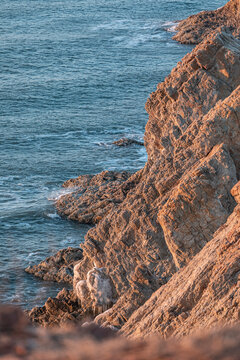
(195, 28)
(93, 196)
(203, 294)
(18, 340)
(58, 267)
(182, 196)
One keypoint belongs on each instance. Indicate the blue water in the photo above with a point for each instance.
(74, 76)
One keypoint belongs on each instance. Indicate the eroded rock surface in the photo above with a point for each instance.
(58, 267)
(18, 340)
(93, 196)
(182, 196)
(204, 294)
(195, 28)
(62, 309)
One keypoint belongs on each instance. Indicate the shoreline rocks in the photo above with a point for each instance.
(197, 27)
(59, 267)
(58, 311)
(93, 196)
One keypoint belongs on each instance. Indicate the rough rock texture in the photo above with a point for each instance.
(195, 28)
(18, 340)
(182, 196)
(127, 142)
(203, 294)
(58, 267)
(93, 196)
(60, 310)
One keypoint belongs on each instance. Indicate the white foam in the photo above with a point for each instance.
(56, 195)
(170, 26)
(53, 216)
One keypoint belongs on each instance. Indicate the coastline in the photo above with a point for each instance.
(163, 255)
(134, 199)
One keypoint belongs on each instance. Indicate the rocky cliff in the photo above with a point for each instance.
(195, 28)
(204, 294)
(168, 211)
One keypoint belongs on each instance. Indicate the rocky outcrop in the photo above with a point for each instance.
(62, 309)
(93, 196)
(182, 196)
(195, 28)
(204, 294)
(18, 340)
(58, 267)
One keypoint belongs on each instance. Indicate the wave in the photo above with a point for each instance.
(57, 194)
(170, 26)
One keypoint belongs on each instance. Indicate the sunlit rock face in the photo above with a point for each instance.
(195, 28)
(175, 204)
(204, 294)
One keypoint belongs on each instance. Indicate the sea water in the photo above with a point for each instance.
(74, 77)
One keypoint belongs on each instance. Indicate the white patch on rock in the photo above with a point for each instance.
(97, 288)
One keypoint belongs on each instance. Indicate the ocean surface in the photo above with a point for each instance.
(74, 77)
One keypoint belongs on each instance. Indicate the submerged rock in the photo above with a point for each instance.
(58, 267)
(195, 28)
(127, 142)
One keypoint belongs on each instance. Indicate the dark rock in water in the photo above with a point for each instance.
(195, 28)
(127, 142)
(94, 196)
(60, 310)
(58, 267)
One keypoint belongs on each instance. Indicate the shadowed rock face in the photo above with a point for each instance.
(18, 340)
(195, 28)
